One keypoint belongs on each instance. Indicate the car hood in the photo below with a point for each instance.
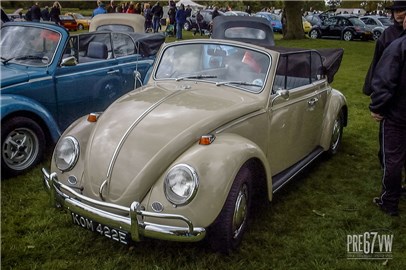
(13, 74)
(141, 134)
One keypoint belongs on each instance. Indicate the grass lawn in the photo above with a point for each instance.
(305, 227)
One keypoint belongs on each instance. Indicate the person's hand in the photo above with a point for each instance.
(377, 117)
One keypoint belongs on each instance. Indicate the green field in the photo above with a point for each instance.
(305, 227)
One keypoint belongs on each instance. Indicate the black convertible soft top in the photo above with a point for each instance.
(293, 62)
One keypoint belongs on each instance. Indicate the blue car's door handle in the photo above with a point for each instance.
(113, 71)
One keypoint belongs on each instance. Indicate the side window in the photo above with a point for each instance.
(94, 47)
(123, 45)
(331, 21)
(298, 69)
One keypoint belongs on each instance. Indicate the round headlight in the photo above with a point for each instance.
(66, 153)
(181, 184)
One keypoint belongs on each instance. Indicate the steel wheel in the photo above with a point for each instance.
(347, 36)
(22, 145)
(314, 34)
(336, 135)
(187, 26)
(80, 27)
(376, 35)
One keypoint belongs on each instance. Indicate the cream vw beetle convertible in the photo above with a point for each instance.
(179, 158)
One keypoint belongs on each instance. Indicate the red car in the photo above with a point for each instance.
(68, 22)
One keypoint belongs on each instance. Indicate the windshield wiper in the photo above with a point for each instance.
(196, 77)
(238, 82)
(25, 57)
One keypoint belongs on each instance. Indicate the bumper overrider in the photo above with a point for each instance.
(133, 223)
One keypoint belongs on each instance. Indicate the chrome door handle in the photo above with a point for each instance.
(312, 101)
(113, 71)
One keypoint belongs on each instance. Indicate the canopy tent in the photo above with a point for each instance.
(190, 3)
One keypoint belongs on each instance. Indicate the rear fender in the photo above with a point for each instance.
(216, 165)
(337, 103)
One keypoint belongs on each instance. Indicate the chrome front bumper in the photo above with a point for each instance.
(133, 223)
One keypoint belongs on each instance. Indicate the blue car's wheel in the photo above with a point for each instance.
(22, 145)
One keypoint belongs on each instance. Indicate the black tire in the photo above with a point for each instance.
(348, 35)
(22, 146)
(376, 35)
(314, 34)
(336, 135)
(226, 233)
(187, 26)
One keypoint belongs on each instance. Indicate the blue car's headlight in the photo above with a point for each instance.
(66, 153)
(181, 184)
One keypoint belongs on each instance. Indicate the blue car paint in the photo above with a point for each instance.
(61, 94)
(54, 95)
(273, 19)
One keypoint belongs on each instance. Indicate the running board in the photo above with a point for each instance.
(284, 177)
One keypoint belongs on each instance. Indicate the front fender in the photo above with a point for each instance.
(216, 165)
(337, 102)
(15, 105)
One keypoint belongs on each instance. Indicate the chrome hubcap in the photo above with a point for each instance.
(240, 211)
(335, 138)
(20, 149)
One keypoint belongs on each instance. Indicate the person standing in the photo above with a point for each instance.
(157, 13)
(45, 14)
(398, 11)
(199, 22)
(55, 12)
(36, 13)
(388, 106)
(181, 15)
(172, 14)
(111, 8)
(99, 10)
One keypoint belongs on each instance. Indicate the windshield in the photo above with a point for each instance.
(27, 45)
(220, 64)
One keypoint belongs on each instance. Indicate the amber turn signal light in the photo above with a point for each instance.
(92, 117)
(206, 139)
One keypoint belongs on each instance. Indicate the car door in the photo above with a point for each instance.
(88, 86)
(296, 120)
(328, 26)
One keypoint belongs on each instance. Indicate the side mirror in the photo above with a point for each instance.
(283, 93)
(69, 61)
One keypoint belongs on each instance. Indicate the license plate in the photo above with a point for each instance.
(120, 236)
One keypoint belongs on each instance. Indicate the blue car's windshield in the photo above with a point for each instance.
(27, 45)
(220, 64)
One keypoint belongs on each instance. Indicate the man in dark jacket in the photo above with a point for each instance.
(36, 13)
(388, 106)
(45, 14)
(157, 13)
(391, 33)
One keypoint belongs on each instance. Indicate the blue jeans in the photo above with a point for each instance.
(179, 27)
(155, 23)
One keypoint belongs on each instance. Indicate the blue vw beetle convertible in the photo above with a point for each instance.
(49, 79)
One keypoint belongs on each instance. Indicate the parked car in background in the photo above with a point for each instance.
(207, 18)
(82, 21)
(343, 27)
(68, 22)
(236, 13)
(118, 22)
(274, 19)
(317, 18)
(307, 26)
(49, 79)
(221, 123)
(378, 24)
